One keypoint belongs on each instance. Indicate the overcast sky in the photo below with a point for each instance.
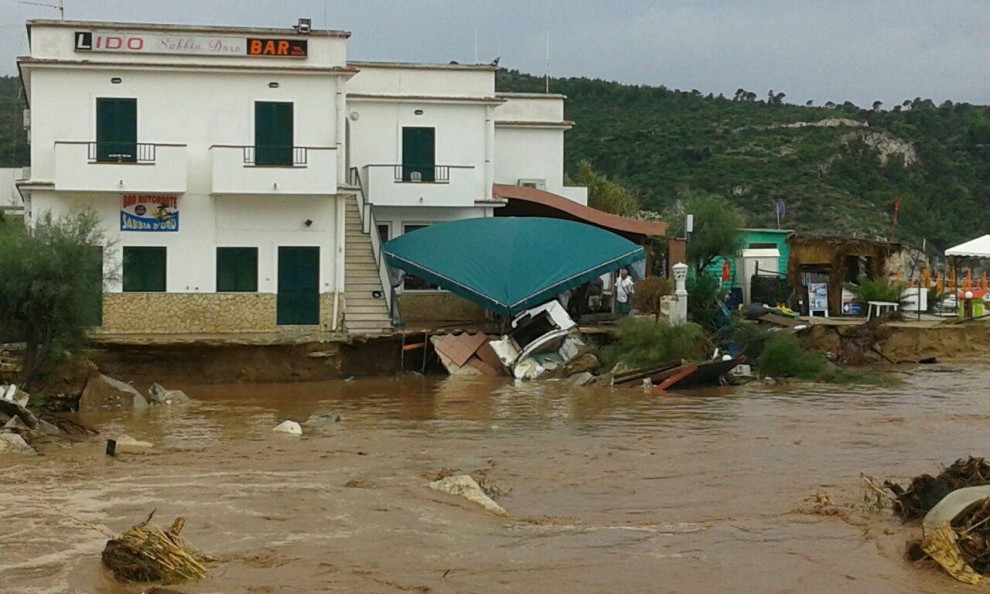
(858, 50)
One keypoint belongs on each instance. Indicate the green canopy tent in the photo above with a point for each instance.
(509, 264)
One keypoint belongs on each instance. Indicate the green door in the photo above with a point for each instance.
(116, 129)
(93, 297)
(298, 300)
(418, 154)
(272, 133)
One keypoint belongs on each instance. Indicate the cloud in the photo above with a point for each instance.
(822, 50)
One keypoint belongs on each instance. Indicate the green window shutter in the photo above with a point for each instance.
(237, 270)
(419, 154)
(116, 129)
(298, 300)
(144, 269)
(273, 133)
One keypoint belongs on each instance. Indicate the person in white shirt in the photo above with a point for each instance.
(624, 289)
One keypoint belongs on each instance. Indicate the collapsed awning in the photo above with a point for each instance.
(522, 201)
(974, 248)
(510, 264)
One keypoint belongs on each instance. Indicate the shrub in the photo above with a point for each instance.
(643, 342)
(750, 337)
(783, 357)
(51, 282)
(704, 295)
(649, 293)
(877, 290)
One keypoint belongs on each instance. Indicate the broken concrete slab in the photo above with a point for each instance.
(126, 443)
(104, 393)
(158, 394)
(15, 394)
(12, 443)
(464, 486)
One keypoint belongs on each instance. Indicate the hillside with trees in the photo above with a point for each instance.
(13, 139)
(838, 167)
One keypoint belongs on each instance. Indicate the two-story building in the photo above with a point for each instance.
(247, 177)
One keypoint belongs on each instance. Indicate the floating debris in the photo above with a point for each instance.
(925, 490)
(147, 553)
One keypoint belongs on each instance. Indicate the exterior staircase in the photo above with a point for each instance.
(363, 312)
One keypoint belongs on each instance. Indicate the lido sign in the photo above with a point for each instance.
(192, 45)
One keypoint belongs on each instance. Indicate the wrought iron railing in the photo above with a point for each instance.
(369, 226)
(120, 152)
(285, 156)
(433, 174)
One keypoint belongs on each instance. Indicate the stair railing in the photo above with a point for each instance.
(369, 226)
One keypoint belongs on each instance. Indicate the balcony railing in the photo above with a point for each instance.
(433, 174)
(306, 170)
(120, 152)
(86, 166)
(423, 185)
(276, 156)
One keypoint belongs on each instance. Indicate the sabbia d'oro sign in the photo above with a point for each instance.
(191, 45)
(149, 212)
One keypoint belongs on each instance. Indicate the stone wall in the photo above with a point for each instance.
(200, 313)
(423, 309)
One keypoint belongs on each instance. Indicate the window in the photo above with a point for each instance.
(116, 130)
(237, 270)
(419, 154)
(763, 246)
(273, 135)
(384, 231)
(144, 269)
(411, 283)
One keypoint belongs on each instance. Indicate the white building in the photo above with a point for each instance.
(247, 176)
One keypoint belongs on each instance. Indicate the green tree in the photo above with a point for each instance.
(51, 283)
(605, 194)
(716, 228)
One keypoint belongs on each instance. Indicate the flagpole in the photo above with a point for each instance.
(776, 208)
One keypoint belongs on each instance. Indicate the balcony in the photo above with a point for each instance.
(120, 167)
(424, 185)
(296, 170)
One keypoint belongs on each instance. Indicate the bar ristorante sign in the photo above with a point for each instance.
(191, 45)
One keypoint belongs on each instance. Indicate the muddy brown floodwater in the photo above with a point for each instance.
(606, 491)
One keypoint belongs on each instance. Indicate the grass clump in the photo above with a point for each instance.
(783, 356)
(643, 342)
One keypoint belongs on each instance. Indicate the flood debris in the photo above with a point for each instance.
(957, 535)
(925, 491)
(678, 374)
(463, 485)
(148, 553)
(158, 394)
(12, 443)
(544, 342)
(288, 427)
(126, 444)
(955, 507)
(13, 403)
(466, 354)
(105, 393)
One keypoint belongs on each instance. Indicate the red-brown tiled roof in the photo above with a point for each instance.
(525, 201)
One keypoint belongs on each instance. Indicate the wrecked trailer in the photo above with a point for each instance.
(543, 339)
